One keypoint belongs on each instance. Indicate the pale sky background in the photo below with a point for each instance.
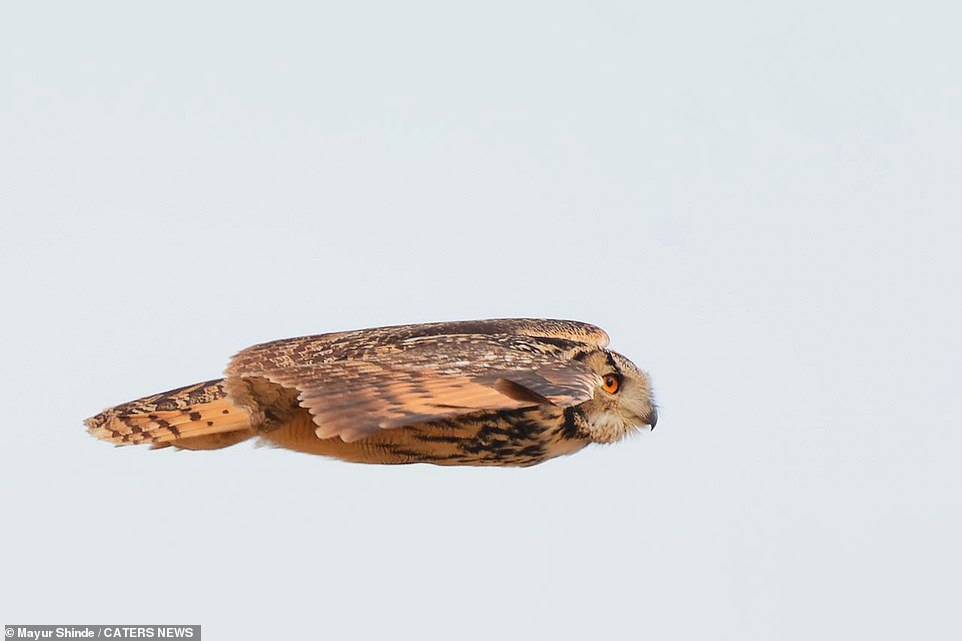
(759, 201)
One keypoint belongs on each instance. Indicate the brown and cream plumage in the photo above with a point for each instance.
(489, 392)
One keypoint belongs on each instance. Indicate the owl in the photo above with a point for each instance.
(501, 392)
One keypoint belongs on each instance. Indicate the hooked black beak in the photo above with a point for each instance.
(653, 418)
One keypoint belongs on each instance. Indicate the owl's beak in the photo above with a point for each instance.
(653, 418)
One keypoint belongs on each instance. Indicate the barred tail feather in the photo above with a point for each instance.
(198, 416)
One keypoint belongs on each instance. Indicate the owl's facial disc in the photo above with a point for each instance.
(623, 401)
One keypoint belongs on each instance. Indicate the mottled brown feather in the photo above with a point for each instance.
(356, 383)
(179, 414)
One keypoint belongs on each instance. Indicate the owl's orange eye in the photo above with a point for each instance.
(611, 383)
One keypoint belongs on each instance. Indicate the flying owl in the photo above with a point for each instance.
(508, 392)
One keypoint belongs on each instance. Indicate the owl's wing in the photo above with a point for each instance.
(355, 383)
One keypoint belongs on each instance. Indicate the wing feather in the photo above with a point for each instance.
(356, 383)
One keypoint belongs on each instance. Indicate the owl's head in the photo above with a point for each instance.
(622, 401)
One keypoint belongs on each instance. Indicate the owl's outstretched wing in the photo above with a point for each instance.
(356, 383)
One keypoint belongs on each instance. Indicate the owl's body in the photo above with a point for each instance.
(509, 392)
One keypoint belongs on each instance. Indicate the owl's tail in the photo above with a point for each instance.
(196, 417)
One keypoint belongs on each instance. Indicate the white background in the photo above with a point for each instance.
(759, 201)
